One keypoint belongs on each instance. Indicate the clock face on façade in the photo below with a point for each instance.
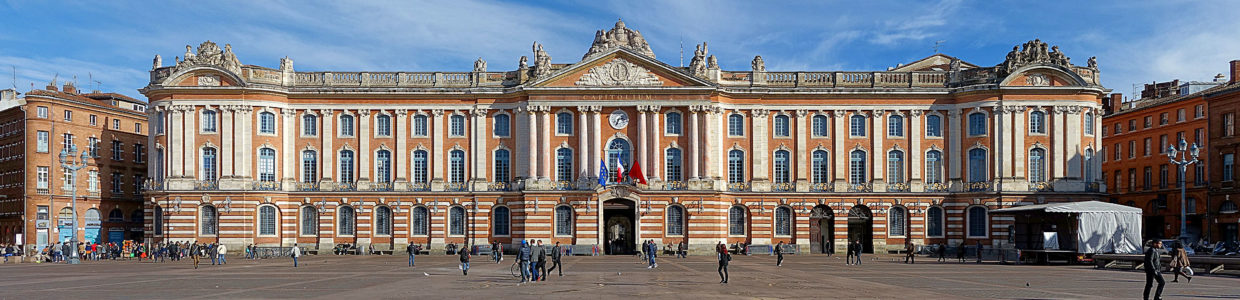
(618, 119)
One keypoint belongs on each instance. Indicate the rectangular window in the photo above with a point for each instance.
(94, 121)
(1147, 146)
(1162, 176)
(1132, 125)
(1179, 136)
(1199, 177)
(1229, 124)
(118, 149)
(66, 180)
(138, 154)
(92, 144)
(159, 122)
(1132, 180)
(1162, 119)
(66, 140)
(736, 125)
(41, 112)
(137, 128)
(1229, 163)
(672, 124)
(117, 182)
(1199, 111)
(1132, 149)
(116, 125)
(43, 140)
(1149, 121)
(1162, 144)
(1118, 152)
(1118, 130)
(68, 115)
(42, 178)
(1198, 136)
(1179, 115)
(93, 178)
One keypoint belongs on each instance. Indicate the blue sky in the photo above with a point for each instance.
(114, 41)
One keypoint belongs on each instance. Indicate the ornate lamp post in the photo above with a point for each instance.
(1183, 157)
(72, 165)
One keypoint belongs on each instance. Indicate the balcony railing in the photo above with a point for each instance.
(154, 185)
(822, 187)
(455, 186)
(563, 185)
(499, 186)
(897, 187)
(1093, 187)
(860, 187)
(307, 186)
(675, 185)
(381, 186)
(266, 185)
(1040, 186)
(419, 186)
(979, 186)
(206, 185)
(783, 187)
(936, 187)
(738, 186)
(346, 186)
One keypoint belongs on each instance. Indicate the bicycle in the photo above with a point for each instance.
(515, 269)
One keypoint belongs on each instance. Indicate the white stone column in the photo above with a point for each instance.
(760, 153)
(176, 141)
(802, 136)
(401, 157)
(704, 146)
(694, 158)
(439, 133)
(641, 144)
(583, 145)
(328, 133)
(596, 113)
(915, 153)
(544, 143)
(1072, 149)
(1058, 158)
(480, 137)
(653, 173)
(290, 154)
(841, 155)
(191, 143)
(247, 142)
(1098, 153)
(954, 149)
(878, 153)
(997, 142)
(364, 154)
(1018, 141)
(228, 135)
(531, 142)
(716, 158)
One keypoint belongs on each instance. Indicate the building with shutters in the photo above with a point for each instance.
(916, 154)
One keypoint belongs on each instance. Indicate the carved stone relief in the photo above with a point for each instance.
(619, 73)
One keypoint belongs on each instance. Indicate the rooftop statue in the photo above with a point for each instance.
(209, 54)
(698, 65)
(1034, 52)
(619, 37)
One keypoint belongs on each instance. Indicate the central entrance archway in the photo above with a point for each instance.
(619, 236)
(861, 227)
(822, 229)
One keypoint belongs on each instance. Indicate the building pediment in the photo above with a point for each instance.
(619, 67)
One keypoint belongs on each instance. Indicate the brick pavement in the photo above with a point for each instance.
(365, 277)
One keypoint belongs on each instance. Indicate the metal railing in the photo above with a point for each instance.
(266, 185)
(346, 186)
(1040, 186)
(783, 187)
(979, 186)
(936, 187)
(499, 186)
(307, 186)
(455, 187)
(381, 186)
(206, 185)
(738, 186)
(897, 187)
(675, 185)
(822, 187)
(419, 186)
(860, 187)
(563, 185)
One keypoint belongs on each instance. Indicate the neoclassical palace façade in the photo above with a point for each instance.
(920, 153)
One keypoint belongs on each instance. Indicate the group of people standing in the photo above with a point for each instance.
(533, 262)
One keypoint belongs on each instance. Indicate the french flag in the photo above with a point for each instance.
(619, 170)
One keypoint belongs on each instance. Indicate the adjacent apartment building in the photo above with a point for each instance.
(246, 154)
(1223, 102)
(34, 129)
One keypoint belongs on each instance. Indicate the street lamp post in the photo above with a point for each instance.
(1183, 157)
(72, 165)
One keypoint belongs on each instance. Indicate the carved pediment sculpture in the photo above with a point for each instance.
(1034, 52)
(619, 37)
(210, 54)
(542, 61)
(619, 72)
(698, 65)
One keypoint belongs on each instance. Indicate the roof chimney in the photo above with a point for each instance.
(1235, 71)
(1114, 103)
(69, 88)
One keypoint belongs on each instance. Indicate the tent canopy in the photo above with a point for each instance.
(1102, 227)
(1074, 207)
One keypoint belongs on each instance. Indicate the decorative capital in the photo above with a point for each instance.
(325, 112)
(402, 112)
(916, 112)
(760, 113)
(801, 113)
(437, 112)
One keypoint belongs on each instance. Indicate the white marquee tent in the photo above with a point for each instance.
(1102, 227)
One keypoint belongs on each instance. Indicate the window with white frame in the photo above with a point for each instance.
(43, 140)
(671, 123)
(93, 180)
(500, 222)
(736, 166)
(783, 221)
(456, 221)
(563, 220)
(977, 221)
(856, 167)
(736, 125)
(42, 178)
(267, 164)
(781, 126)
(736, 220)
(782, 166)
(672, 168)
(501, 126)
(207, 220)
(502, 165)
(419, 166)
(209, 121)
(934, 166)
(384, 125)
(309, 125)
(456, 165)
(383, 166)
(564, 164)
(977, 165)
(309, 166)
(210, 164)
(934, 126)
(895, 126)
(419, 125)
(41, 112)
(895, 166)
(309, 220)
(1089, 123)
(856, 125)
(347, 221)
(1037, 122)
(819, 126)
(346, 166)
(418, 221)
(564, 123)
(1037, 165)
(456, 125)
(934, 221)
(346, 125)
(266, 123)
(383, 220)
(897, 222)
(267, 220)
(977, 123)
(820, 167)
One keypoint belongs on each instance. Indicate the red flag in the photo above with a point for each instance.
(636, 173)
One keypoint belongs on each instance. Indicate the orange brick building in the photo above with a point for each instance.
(918, 154)
(37, 191)
(1223, 103)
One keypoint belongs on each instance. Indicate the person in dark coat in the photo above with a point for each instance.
(909, 258)
(724, 259)
(464, 259)
(960, 252)
(541, 275)
(412, 250)
(979, 251)
(1153, 268)
(497, 252)
(555, 258)
(849, 259)
(523, 257)
(779, 254)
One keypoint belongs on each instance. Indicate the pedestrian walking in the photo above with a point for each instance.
(942, 251)
(464, 254)
(654, 248)
(849, 258)
(1153, 268)
(960, 252)
(211, 253)
(683, 250)
(295, 254)
(909, 258)
(412, 251)
(523, 259)
(541, 274)
(1180, 266)
(724, 259)
(979, 252)
(497, 252)
(222, 252)
(779, 254)
(194, 250)
(555, 259)
(857, 251)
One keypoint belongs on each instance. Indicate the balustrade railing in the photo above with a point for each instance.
(860, 187)
(897, 187)
(346, 186)
(381, 186)
(738, 186)
(1040, 186)
(206, 185)
(154, 185)
(979, 186)
(822, 187)
(562, 185)
(307, 186)
(455, 186)
(419, 186)
(783, 187)
(500, 186)
(675, 185)
(935, 187)
(266, 185)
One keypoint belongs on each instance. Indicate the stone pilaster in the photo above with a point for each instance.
(546, 161)
(176, 138)
(290, 153)
(878, 153)
(247, 142)
(841, 156)
(438, 135)
(998, 145)
(479, 137)
(1058, 156)
(761, 181)
(656, 147)
(800, 164)
(328, 133)
(694, 158)
(596, 123)
(191, 144)
(954, 150)
(227, 130)
(915, 153)
(583, 147)
(401, 157)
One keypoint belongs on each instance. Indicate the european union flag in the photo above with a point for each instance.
(602, 172)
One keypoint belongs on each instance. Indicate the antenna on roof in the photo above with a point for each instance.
(92, 80)
(682, 51)
(938, 44)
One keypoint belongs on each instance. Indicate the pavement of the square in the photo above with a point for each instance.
(602, 277)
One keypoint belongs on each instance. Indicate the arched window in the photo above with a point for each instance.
(456, 125)
(267, 164)
(736, 220)
(309, 125)
(346, 166)
(977, 123)
(419, 166)
(1089, 165)
(781, 126)
(1228, 207)
(1089, 123)
(1037, 122)
(820, 126)
(977, 221)
(672, 167)
(115, 215)
(736, 166)
(384, 125)
(1037, 165)
(820, 167)
(783, 221)
(934, 166)
(309, 166)
(977, 165)
(383, 220)
(563, 220)
(309, 220)
(346, 219)
(856, 125)
(209, 121)
(564, 164)
(159, 220)
(207, 220)
(500, 222)
(92, 215)
(419, 125)
(346, 125)
(266, 220)
(897, 222)
(456, 166)
(672, 124)
(856, 167)
(418, 221)
(564, 123)
(895, 125)
(736, 125)
(266, 122)
(895, 166)
(934, 221)
(456, 220)
(502, 125)
(210, 164)
(618, 152)
(675, 220)
(502, 165)
(383, 166)
(934, 126)
(782, 173)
